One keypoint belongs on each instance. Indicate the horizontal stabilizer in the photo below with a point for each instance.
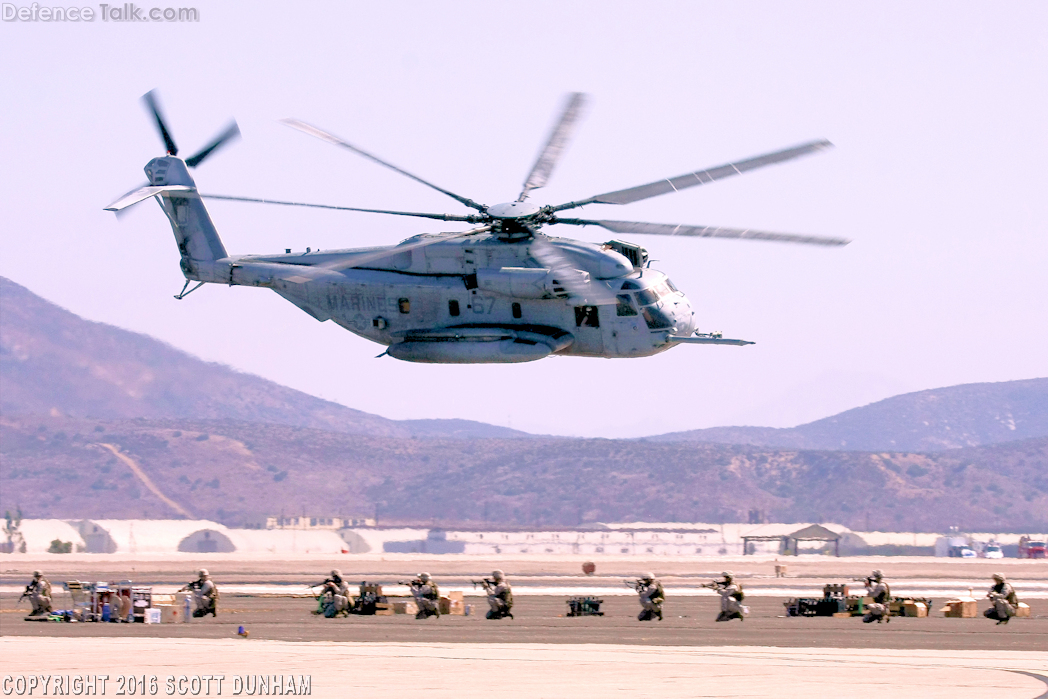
(707, 340)
(142, 193)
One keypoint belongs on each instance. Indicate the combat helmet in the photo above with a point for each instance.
(497, 575)
(648, 577)
(203, 573)
(38, 573)
(999, 577)
(876, 575)
(728, 575)
(424, 577)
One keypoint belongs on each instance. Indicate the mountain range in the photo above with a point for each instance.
(96, 421)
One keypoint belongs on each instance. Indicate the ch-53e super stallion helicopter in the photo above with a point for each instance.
(502, 291)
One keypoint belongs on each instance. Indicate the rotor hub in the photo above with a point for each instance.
(513, 209)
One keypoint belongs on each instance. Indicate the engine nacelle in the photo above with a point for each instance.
(519, 282)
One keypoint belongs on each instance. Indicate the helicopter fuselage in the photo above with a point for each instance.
(474, 301)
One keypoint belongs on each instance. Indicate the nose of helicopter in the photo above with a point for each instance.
(683, 315)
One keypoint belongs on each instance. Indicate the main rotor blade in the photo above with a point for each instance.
(555, 144)
(439, 217)
(325, 136)
(579, 284)
(367, 258)
(232, 132)
(694, 179)
(701, 231)
(169, 143)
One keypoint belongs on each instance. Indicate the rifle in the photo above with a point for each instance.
(28, 589)
(195, 585)
(636, 585)
(488, 584)
(715, 585)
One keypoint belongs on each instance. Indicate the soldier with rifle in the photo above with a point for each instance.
(731, 595)
(205, 594)
(1005, 601)
(878, 589)
(500, 595)
(334, 597)
(426, 594)
(39, 593)
(650, 595)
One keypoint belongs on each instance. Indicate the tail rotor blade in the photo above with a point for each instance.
(231, 133)
(702, 231)
(555, 145)
(169, 143)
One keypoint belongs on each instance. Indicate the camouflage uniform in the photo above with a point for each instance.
(205, 595)
(651, 596)
(880, 592)
(500, 597)
(731, 599)
(427, 596)
(39, 593)
(1005, 601)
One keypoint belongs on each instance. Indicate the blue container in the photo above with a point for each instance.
(105, 612)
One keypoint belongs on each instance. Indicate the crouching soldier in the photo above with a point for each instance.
(878, 589)
(731, 595)
(427, 596)
(651, 596)
(334, 597)
(500, 596)
(39, 593)
(1005, 602)
(205, 595)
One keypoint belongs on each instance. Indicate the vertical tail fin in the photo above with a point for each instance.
(195, 234)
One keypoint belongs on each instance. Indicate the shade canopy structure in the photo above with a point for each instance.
(814, 532)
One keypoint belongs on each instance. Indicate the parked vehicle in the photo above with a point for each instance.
(993, 551)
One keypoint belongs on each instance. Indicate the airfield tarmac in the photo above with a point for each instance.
(541, 652)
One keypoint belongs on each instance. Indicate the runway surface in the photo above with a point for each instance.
(542, 653)
(466, 670)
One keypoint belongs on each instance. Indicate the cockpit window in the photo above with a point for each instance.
(629, 285)
(625, 306)
(656, 318)
(662, 290)
(646, 297)
(672, 287)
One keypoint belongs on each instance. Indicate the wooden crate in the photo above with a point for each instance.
(916, 609)
(961, 609)
(1023, 609)
(405, 607)
(383, 609)
(452, 603)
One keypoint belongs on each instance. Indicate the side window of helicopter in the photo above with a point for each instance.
(630, 285)
(646, 297)
(516, 310)
(453, 307)
(661, 290)
(672, 286)
(586, 317)
(404, 305)
(625, 306)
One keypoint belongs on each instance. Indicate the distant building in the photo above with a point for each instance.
(317, 522)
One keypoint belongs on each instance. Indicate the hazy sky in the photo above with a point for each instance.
(939, 112)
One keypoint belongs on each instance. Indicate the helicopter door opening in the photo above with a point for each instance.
(587, 317)
(589, 338)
